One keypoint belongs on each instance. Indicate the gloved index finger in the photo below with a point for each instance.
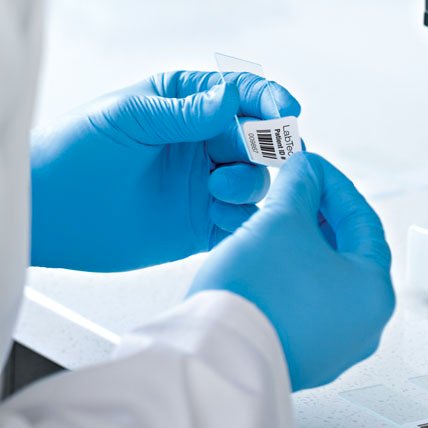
(250, 78)
(256, 93)
(259, 97)
(273, 140)
(270, 141)
(357, 227)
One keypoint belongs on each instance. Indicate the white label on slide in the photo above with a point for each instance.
(272, 142)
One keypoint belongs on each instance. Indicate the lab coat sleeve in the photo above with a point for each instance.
(213, 361)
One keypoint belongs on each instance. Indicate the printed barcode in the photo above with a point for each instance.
(266, 143)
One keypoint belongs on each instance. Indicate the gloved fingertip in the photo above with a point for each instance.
(317, 165)
(225, 93)
(231, 97)
(240, 183)
(217, 90)
(218, 107)
(287, 105)
(219, 183)
(204, 115)
(299, 185)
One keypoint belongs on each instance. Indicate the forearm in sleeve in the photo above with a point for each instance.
(213, 361)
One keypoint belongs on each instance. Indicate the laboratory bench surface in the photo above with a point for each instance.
(75, 320)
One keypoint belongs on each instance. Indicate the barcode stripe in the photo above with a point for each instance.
(264, 136)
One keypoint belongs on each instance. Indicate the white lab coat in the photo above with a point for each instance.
(213, 361)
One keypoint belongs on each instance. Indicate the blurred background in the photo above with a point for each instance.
(358, 68)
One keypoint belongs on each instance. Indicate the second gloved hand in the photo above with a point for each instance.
(328, 305)
(150, 174)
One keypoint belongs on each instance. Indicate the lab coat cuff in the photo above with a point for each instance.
(217, 309)
(237, 313)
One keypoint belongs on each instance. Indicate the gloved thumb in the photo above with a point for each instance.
(297, 189)
(307, 184)
(194, 118)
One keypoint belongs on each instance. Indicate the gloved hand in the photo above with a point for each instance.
(150, 174)
(329, 306)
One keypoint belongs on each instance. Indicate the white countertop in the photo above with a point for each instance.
(74, 318)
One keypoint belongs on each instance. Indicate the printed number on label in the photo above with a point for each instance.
(272, 142)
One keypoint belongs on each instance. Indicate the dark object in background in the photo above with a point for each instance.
(426, 12)
(23, 367)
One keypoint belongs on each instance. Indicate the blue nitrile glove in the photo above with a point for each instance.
(150, 174)
(328, 306)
